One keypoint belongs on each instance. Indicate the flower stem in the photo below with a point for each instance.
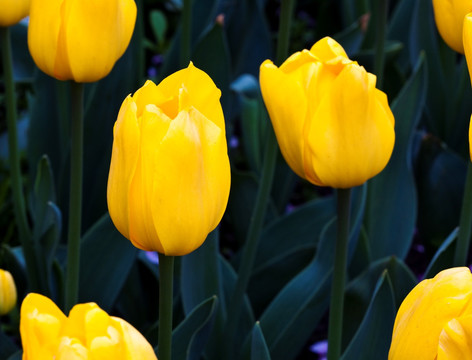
(265, 186)
(14, 158)
(166, 279)
(185, 44)
(339, 276)
(462, 246)
(75, 197)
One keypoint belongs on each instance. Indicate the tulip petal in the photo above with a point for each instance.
(191, 182)
(102, 39)
(124, 158)
(13, 11)
(40, 326)
(202, 94)
(42, 39)
(142, 233)
(137, 347)
(286, 103)
(426, 311)
(352, 139)
(455, 340)
(449, 17)
(467, 41)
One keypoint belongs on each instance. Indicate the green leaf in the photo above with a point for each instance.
(23, 65)
(259, 349)
(372, 340)
(391, 215)
(444, 256)
(7, 346)
(190, 337)
(105, 262)
(158, 24)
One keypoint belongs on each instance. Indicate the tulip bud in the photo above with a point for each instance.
(7, 292)
(79, 40)
(12, 11)
(449, 16)
(434, 321)
(88, 333)
(169, 177)
(333, 126)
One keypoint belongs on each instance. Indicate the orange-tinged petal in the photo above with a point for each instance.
(455, 340)
(286, 103)
(13, 11)
(449, 17)
(191, 183)
(426, 311)
(467, 41)
(352, 136)
(124, 159)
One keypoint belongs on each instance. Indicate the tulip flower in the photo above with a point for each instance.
(449, 16)
(7, 292)
(435, 319)
(333, 126)
(169, 177)
(79, 40)
(13, 11)
(87, 333)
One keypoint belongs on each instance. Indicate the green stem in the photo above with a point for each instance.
(19, 207)
(265, 186)
(75, 197)
(381, 11)
(185, 44)
(339, 276)
(166, 279)
(463, 241)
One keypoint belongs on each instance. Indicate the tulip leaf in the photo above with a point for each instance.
(23, 65)
(294, 313)
(190, 337)
(360, 290)
(376, 328)
(391, 215)
(259, 349)
(158, 24)
(200, 282)
(443, 258)
(105, 262)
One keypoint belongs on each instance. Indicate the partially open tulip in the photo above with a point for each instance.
(333, 126)
(12, 11)
(435, 319)
(88, 333)
(449, 16)
(169, 177)
(7, 292)
(79, 39)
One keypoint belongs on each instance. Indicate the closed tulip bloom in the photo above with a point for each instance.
(333, 126)
(7, 292)
(449, 16)
(12, 11)
(435, 319)
(79, 40)
(88, 333)
(169, 177)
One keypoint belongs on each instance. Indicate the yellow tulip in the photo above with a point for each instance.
(88, 333)
(169, 177)
(435, 319)
(79, 39)
(449, 16)
(333, 126)
(12, 11)
(7, 292)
